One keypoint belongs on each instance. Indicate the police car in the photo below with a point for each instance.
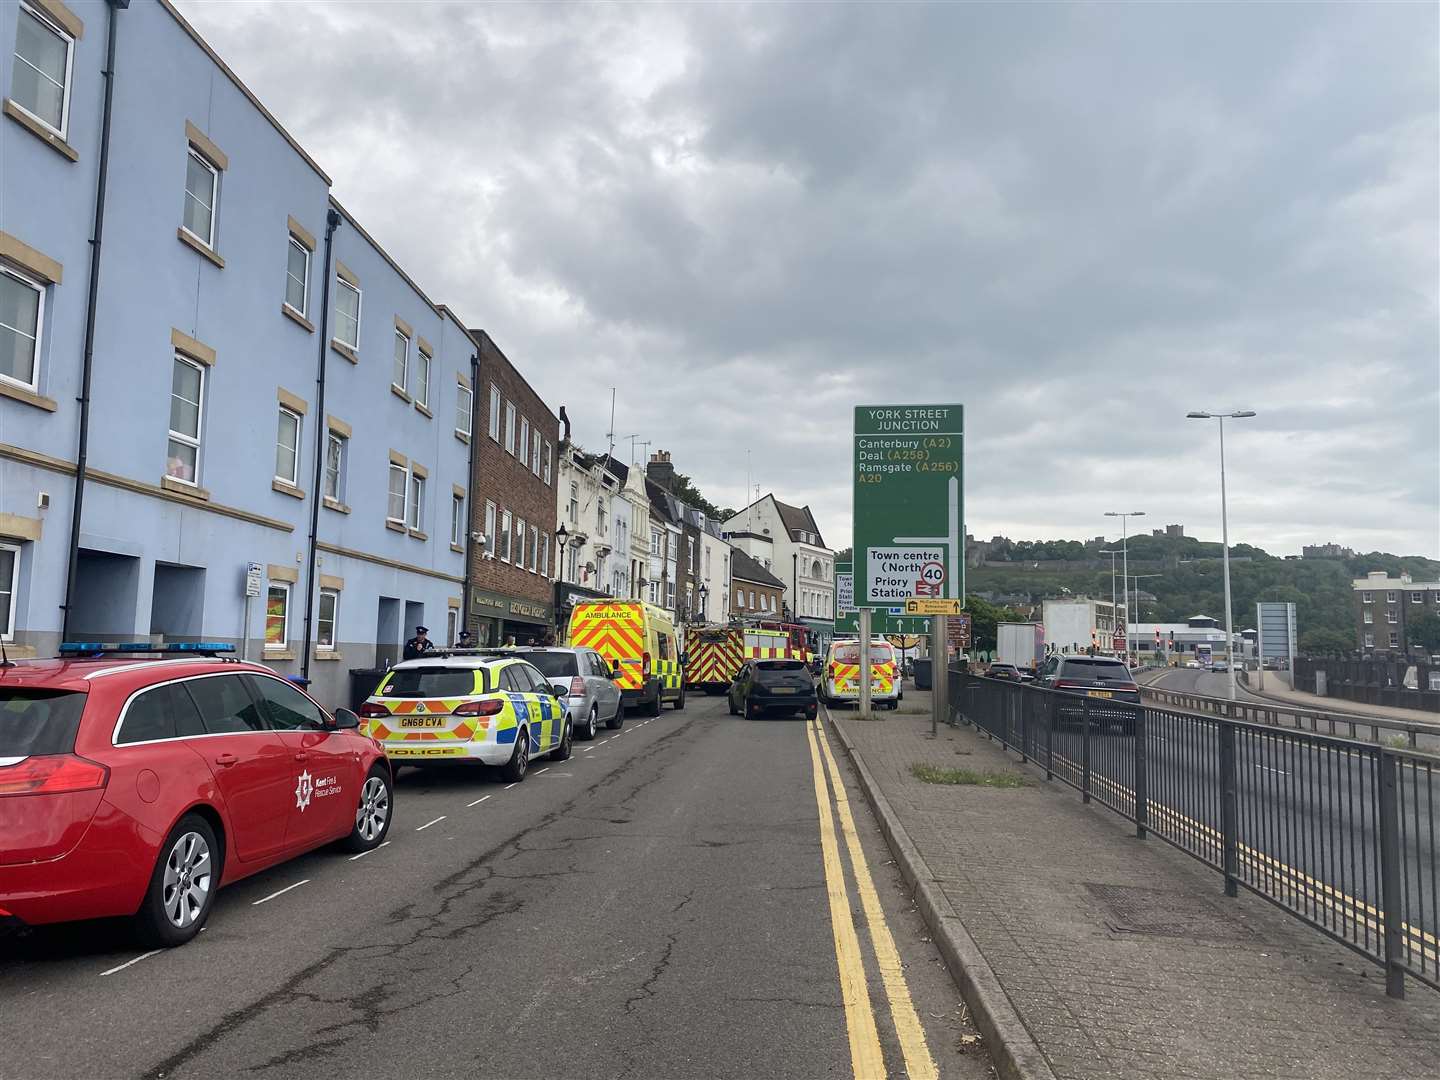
(471, 705)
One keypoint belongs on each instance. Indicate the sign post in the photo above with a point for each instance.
(909, 525)
(253, 572)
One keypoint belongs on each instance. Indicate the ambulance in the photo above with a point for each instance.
(639, 641)
(840, 676)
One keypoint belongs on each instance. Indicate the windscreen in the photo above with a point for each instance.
(847, 654)
(436, 682)
(38, 721)
(779, 670)
(554, 665)
(1110, 670)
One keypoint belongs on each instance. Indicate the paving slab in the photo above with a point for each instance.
(1122, 957)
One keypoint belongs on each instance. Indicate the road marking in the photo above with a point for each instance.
(477, 802)
(866, 1059)
(919, 1064)
(1267, 768)
(370, 852)
(122, 967)
(509, 786)
(282, 892)
(586, 749)
(427, 824)
(539, 771)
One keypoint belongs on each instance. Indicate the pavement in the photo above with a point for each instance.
(1098, 955)
(696, 895)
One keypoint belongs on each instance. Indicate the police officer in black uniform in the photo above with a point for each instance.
(419, 645)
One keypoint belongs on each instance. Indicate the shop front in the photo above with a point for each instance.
(500, 619)
(566, 597)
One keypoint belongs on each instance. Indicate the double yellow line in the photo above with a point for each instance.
(866, 1057)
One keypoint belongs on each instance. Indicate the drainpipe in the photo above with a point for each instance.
(332, 222)
(470, 494)
(82, 450)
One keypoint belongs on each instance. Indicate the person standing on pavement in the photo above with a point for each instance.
(420, 644)
(464, 640)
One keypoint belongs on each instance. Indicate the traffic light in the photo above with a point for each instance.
(1157, 639)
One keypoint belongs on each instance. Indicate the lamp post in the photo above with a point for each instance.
(1238, 414)
(1114, 611)
(560, 535)
(704, 592)
(1125, 561)
(1136, 579)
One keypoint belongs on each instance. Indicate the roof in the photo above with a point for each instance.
(798, 519)
(668, 505)
(445, 658)
(747, 569)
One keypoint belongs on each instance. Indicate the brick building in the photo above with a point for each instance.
(1385, 606)
(512, 506)
(757, 592)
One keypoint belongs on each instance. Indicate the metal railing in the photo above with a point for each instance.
(1375, 729)
(1339, 833)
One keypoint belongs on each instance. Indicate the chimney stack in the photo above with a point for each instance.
(660, 470)
(565, 424)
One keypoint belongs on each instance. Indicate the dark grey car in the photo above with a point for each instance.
(585, 683)
(1114, 696)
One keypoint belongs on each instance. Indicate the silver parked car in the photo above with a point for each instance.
(585, 682)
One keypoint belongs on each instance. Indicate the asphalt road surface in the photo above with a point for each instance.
(678, 900)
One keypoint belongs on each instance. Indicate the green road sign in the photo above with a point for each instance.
(909, 507)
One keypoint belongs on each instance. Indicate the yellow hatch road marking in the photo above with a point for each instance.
(919, 1065)
(866, 1059)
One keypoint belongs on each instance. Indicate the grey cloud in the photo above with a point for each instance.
(1080, 220)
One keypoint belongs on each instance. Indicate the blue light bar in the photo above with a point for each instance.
(204, 647)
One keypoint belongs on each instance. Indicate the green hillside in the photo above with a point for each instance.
(1190, 581)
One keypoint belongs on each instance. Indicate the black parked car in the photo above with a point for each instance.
(1114, 696)
(1004, 671)
(763, 686)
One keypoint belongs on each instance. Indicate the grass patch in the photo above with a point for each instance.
(1395, 742)
(934, 774)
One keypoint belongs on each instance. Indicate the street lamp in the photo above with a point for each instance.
(1239, 414)
(1114, 611)
(1136, 579)
(1125, 560)
(560, 534)
(704, 591)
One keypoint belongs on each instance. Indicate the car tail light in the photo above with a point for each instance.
(53, 774)
(832, 671)
(373, 711)
(645, 663)
(1068, 684)
(1127, 687)
(577, 687)
(488, 707)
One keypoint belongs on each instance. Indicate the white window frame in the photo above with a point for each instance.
(198, 440)
(214, 207)
(404, 493)
(490, 519)
(535, 548)
(655, 541)
(519, 556)
(572, 508)
(424, 364)
(64, 127)
(415, 501)
(1394, 639)
(464, 410)
(1391, 617)
(39, 289)
(7, 632)
(289, 591)
(507, 530)
(1369, 618)
(341, 283)
(334, 438)
(545, 465)
(304, 307)
(403, 360)
(1369, 641)
(1367, 597)
(294, 478)
(1392, 597)
(524, 443)
(452, 624)
(510, 428)
(535, 459)
(493, 420)
(457, 519)
(1417, 597)
(320, 643)
(545, 554)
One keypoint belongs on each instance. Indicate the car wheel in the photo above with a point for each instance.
(591, 723)
(619, 718)
(183, 884)
(730, 704)
(514, 769)
(680, 701)
(562, 752)
(372, 813)
(652, 708)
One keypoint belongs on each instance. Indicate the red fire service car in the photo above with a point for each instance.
(134, 786)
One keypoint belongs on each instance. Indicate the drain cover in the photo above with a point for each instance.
(1135, 909)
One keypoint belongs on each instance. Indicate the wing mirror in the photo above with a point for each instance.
(344, 720)
(615, 670)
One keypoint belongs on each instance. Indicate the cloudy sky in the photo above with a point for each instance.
(1081, 221)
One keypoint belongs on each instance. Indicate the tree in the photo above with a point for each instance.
(685, 490)
(1424, 630)
(1324, 640)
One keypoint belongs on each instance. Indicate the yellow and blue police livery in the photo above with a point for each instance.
(467, 705)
